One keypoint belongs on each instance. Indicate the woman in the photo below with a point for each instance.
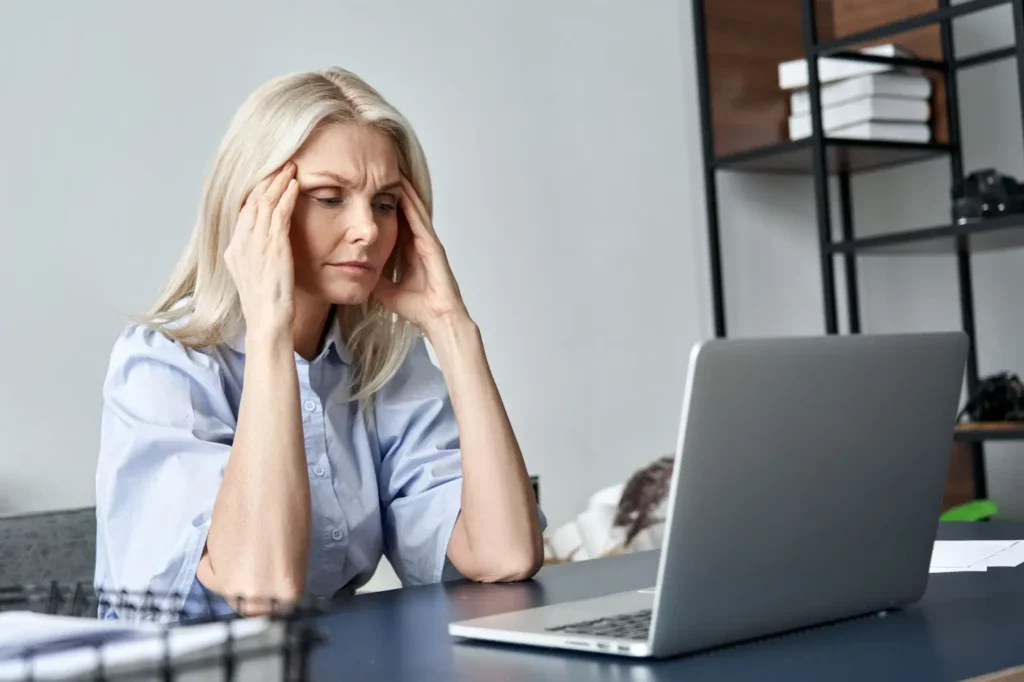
(276, 425)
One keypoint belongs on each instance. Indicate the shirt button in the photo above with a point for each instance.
(319, 471)
(310, 406)
(336, 533)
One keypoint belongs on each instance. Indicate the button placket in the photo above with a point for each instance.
(336, 533)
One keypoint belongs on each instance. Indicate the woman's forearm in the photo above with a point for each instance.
(258, 545)
(497, 536)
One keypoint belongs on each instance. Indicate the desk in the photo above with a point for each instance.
(967, 624)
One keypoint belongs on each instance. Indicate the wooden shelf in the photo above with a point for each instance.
(916, 21)
(745, 42)
(851, 156)
(991, 234)
(980, 431)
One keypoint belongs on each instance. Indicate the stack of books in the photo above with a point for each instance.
(861, 100)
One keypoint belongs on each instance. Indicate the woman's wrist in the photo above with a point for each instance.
(269, 343)
(449, 333)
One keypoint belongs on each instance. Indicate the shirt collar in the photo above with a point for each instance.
(334, 341)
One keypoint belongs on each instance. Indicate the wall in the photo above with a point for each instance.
(773, 280)
(562, 141)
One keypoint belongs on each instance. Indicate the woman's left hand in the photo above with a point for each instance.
(428, 293)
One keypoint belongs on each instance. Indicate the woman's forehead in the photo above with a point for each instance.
(349, 152)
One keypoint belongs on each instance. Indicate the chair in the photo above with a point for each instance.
(57, 545)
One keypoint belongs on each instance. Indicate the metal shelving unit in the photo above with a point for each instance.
(821, 157)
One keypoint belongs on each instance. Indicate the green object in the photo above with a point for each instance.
(976, 510)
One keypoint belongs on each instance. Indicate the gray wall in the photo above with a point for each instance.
(562, 139)
(773, 280)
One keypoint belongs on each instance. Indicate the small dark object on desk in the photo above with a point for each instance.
(998, 398)
(986, 193)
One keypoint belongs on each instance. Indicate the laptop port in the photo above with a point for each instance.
(603, 646)
(624, 648)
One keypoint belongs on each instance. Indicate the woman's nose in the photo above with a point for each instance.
(362, 226)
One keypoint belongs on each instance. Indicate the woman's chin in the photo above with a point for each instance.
(348, 294)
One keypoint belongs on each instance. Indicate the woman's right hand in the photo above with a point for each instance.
(259, 257)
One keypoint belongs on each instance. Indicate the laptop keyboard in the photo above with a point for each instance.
(623, 626)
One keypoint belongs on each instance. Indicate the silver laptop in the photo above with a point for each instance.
(807, 488)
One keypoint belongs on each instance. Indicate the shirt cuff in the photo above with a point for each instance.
(194, 600)
(451, 504)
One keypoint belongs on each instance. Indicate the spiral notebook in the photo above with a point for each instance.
(50, 632)
(52, 647)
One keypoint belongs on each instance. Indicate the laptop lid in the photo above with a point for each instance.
(808, 482)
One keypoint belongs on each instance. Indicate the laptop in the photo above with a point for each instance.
(808, 481)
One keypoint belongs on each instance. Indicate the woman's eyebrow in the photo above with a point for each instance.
(345, 182)
(333, 176)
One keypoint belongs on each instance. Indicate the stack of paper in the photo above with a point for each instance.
(43, 647)
(861, 100)
(951, 556)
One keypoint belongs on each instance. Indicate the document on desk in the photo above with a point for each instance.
(954, 556)
(24, 630)
(65, 647)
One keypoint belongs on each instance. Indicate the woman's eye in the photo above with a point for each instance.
(328, 201)
(385, 206)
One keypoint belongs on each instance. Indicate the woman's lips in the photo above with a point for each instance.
(353, 267)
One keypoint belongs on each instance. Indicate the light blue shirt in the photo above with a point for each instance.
(169, 414)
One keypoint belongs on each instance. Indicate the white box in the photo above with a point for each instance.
(793, 74)
(880, 130)
(863, 110)
(876, 84)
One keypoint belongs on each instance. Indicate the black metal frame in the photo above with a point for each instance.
(710, 177)
(961, 239)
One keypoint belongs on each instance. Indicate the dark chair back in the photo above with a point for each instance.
(56, 545)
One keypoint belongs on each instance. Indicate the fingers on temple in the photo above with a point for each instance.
(282, 220)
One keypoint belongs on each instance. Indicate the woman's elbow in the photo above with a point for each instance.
(250, 595)
(252, 606)
(524, 568)
(510, 568)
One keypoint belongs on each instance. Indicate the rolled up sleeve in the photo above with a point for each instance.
(166, 433)
(421, 468)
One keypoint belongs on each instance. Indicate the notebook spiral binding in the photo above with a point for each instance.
(286, 659)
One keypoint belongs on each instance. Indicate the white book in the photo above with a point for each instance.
(865, 109)
(793, 74)
(883, 130)
(874, 84)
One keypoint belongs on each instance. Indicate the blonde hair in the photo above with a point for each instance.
(200, 303)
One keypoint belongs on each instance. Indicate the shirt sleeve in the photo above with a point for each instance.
(421, 468)
(166, 433)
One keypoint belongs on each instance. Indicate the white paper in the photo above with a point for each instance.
(949, 556)
(1010, 557)
(144, 652)
(957, 569)
(961, 553)
(20, 630)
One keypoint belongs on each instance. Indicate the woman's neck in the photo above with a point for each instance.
(308, 327)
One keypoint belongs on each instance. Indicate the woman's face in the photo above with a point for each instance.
(345, 222)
